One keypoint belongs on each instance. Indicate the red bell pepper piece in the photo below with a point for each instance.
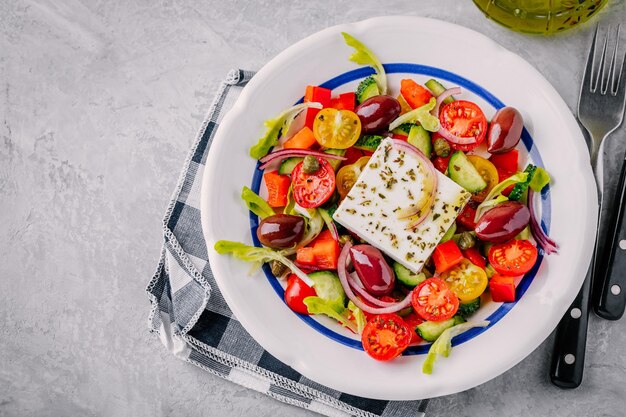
(446, 255)
(304, 139)
(345, 101)
(502, 175)
(414, 94)
(296, 292)
(441, 164)
(502, 288)
(317, 94)
(311, 113)
(475, 257)
(466, 217)
(506, 161)
(277, 188)
(322, 253)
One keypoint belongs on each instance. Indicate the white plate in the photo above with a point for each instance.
(319, 349)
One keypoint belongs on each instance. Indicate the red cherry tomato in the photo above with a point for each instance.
(464, 119)
(313, 190)
(296, 292)
(513, 258)
(441, 164)
(434, 301)
(385, 336)
(413, 320)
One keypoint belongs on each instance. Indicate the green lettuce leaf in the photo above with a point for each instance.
(495, 195)
(540, 179)
(256, 204)
(421, 115)
(274, 127)
(317, 305)
(364, 56)
(359, 317)
(443, 344)
(259, 255)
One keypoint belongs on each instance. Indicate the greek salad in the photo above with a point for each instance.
(397, 213)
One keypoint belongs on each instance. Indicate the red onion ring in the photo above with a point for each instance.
(548, 245)
(343, 277)
(288, 153)
(358, 288)
(441, 97)
(407, 147)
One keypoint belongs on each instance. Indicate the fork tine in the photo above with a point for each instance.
(620, 91)
(610, 80)
(601, 77)
(588, 76)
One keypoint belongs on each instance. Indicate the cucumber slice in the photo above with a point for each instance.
(407, 277)
(437, 88)
(403, 129)
(431, 330)
(368, 142)
(449, 234)
(461, 171)
(467, 309)
(288, 165)
(420, 138)
(366, 89)
(334, 162)
(328, 287)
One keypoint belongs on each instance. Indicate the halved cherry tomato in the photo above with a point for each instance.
(466, 120)
(413, 320)
(434, 301)
(296, 292)
(466, 217)
(348, 174)
(385, 336)
(466, 280)
(489, 173)
(475, 257)
(352, 155)
(337, 129)
(313, 190)
(414, 94)
(513, 258)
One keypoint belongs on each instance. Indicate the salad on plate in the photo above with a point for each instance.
(397, 215)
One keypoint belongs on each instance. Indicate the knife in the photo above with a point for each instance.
(610, 273)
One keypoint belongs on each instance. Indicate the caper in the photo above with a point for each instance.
(442, 147)
(310, 165)
(343, 239)
(466, 240)
(278, 268)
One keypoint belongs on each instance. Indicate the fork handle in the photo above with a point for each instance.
(568, 356)
(610, 273)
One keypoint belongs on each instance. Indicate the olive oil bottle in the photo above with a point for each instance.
(540, 16)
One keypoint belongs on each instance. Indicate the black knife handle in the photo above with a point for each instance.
(610, 273)
(568, 357)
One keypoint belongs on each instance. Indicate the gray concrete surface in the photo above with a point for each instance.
(99, 103)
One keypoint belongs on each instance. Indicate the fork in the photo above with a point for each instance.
(600, 111)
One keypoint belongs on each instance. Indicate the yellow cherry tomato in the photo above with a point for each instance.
(404, 106)
(466, 280)
(339, 129)
(488, 171)
(347, 176)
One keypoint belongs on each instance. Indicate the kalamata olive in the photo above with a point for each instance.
(505, 130)
(503, 222)
(280, 230)
(377, 112)
(370, 265)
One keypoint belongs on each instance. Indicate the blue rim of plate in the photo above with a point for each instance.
(453, 79)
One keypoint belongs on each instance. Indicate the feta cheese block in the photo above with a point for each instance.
(391, 182)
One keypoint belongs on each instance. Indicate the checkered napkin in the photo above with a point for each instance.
(194, 322)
